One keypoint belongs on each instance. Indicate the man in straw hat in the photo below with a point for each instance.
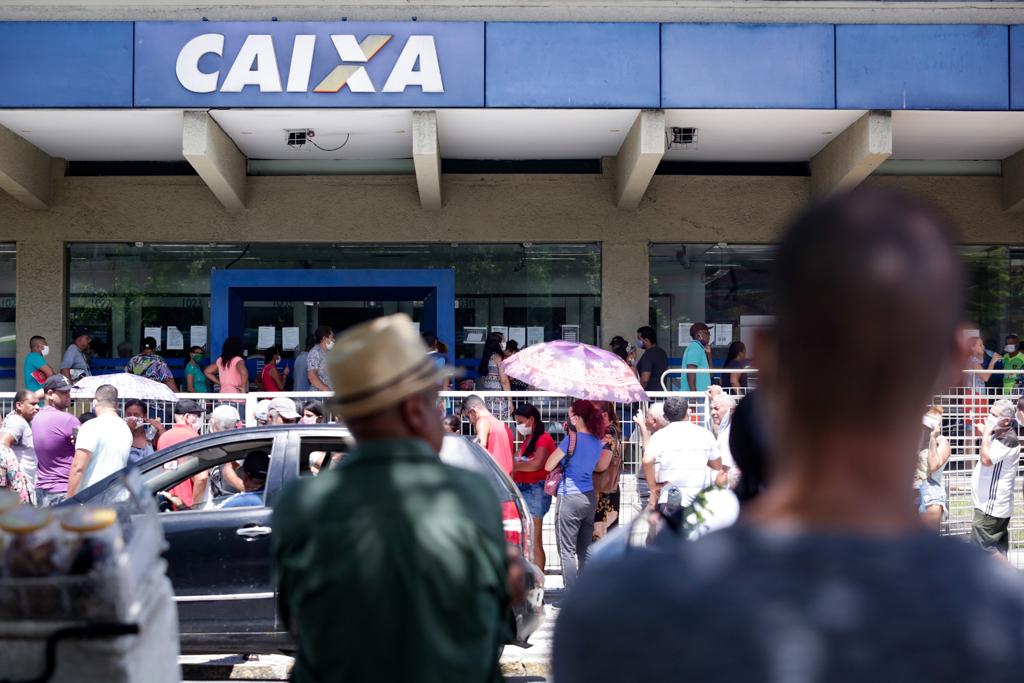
(392, 567)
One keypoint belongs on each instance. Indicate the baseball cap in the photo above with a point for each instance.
(283, 406)
(256, 464)
(56, 382)
(260, 411)
(225, 413)
(698, 327)
(187, 406)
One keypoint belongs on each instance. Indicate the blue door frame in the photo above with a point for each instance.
(230, 289)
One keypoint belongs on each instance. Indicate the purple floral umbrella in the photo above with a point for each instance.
(577, 370)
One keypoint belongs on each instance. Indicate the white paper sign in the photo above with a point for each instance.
(684, 333)
(518, 335)
(289, 338)
(265, 337)
(723, 334)
(534, 335)
(197, 335)
(175, 342)
(500, 329)
(474, 335)
(153, 332)
(571, 333)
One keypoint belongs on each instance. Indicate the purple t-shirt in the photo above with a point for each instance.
(53, 433)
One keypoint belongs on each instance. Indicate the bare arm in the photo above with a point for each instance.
(243, 371)
(66, 372)
(6, 439)
(554, 459)
(604, 461)
(502, 377)
(534, 462)
(482, 432)
(984, 376)
(200, 483)
(938, 453)
(986, 445)
(691, 378)
(645, 377)
(78, 465)
(314, 381)
(212, 373)
(716, 464)
(230, 476)
(734, 380)
(190, 383)
(172, 385)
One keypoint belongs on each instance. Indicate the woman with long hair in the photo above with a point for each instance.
(229, 369)
(528, 471)
(577, 502)
(736, 359)
(933, 453)
(492, 376)
(607, 516)
(272, 378)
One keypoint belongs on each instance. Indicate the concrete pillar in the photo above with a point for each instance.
(426, 157)
(27, 173)
(625, 287)
(638, 158)
(853, 155)
(215, 157)
(42, 307)
(1013, 182)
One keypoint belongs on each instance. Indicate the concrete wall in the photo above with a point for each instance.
(751, 11)
(479, 208)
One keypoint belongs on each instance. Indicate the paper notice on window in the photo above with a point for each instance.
(723, 334)
(684, 333)
(265, 337)
(153, 332)
(518, 335)
(474, 335)
(534, 335)
(570, 333)
(197, 335)
(175, 341)
(289, 338)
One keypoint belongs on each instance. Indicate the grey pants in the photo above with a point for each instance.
(574, 529)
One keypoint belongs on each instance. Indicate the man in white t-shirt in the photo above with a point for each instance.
(679, 455)
(102, 444)
(992, 479)
(16, 433)
(722, 407)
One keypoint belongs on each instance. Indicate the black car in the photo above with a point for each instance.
(219, 560)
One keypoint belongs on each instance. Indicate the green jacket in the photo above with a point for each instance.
(393, 568)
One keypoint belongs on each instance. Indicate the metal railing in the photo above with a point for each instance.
(963, 408)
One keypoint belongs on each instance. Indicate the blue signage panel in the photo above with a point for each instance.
(66, 64)
(305, 64)
(1017, 67)
(566, 65)
(962, 67)
(748, 66)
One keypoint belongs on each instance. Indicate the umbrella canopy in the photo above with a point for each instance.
(577, 370)
(127, 385)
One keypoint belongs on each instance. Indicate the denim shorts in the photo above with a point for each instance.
(932, 493)
(537, 502)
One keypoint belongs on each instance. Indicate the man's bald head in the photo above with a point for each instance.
(869, 295)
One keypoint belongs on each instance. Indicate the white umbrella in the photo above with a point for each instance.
(127, 385)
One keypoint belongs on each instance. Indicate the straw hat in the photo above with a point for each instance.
(379, 363)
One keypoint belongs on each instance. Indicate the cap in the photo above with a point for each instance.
(187, 406)
(224, 414)
(77, 332)
(256, 464)
(617, 341)
(698, 327)
(379, 363)
(283, 406)
(56, 382)
(260, 411)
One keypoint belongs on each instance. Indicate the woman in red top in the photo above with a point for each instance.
(529, 472)
(271, 377)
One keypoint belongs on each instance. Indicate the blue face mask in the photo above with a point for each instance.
(639, 343)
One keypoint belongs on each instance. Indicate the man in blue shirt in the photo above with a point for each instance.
(254, 477)
(698, 356)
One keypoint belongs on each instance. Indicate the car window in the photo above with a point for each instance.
(318, 453)
(175, 482)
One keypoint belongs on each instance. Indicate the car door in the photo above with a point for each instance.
(219, 561)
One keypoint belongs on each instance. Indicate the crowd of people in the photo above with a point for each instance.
(48, 454)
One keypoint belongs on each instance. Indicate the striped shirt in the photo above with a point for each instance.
(992, 486)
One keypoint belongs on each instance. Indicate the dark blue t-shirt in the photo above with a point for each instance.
(579, 472)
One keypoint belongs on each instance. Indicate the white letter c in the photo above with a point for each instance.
(187, 68)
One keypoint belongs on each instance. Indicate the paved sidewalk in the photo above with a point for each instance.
(530, 664)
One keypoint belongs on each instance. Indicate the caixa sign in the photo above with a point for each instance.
(292, 64)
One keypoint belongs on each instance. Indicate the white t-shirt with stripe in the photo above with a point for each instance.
(992, 486)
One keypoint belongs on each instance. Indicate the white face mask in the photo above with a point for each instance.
(1010, 348)
(524, 430)
(45, 351)
(330, 345)
(930, 421)
(502, 346)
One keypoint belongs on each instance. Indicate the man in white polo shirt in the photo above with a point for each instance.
(992, 479)
(679, 455)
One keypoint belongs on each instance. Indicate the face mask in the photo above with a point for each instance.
(307, 420)
(1010, 348)
(502, 345)
(524, 430)
(197, 357)
(930, 421)
(330, 345)
(45, 351)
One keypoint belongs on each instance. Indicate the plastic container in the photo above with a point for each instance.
(32, 549)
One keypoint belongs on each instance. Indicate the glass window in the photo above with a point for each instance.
(8, 306)
(119, 289)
